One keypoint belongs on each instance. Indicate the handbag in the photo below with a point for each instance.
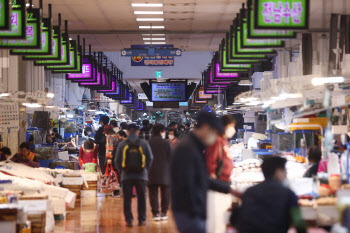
(219, 163)
(109, 181)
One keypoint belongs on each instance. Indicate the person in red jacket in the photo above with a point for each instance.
(88, 153)
(220, 165)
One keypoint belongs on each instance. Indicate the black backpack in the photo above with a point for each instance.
(133, 157)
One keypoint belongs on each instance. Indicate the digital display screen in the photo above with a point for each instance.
(203, 96)
(169, 92)
(129, 101)
(46, 41)
(98, 81)
(17, 29)
(113, 88)
(79, 65)
(33, 33)
(55, 45)
(281, 14)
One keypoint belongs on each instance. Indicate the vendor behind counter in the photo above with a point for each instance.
(25, 156)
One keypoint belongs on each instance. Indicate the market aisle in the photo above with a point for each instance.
(105, 215)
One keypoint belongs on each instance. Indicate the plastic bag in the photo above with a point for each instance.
(333, 164)
(90, 167)
(109, 181)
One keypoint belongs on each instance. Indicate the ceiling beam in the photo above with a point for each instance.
(111, 32)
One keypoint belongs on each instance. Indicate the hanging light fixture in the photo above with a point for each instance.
(245, 83)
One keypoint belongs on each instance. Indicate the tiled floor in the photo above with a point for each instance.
(105, 214)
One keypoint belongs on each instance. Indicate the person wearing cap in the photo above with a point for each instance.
(111, 149)
(100, 140)
(189, 178)
(134, 179)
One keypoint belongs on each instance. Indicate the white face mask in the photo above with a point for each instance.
(163, 135)
(230, 132)
(171, 137)
(211, 139)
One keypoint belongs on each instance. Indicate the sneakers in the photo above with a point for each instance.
(156, 217)
(164, 217)
(142, 223)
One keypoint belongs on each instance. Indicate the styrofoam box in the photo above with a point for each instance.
(90, 177)
(88, 193)
(59, 206)
(309, 213)
(72, 181)
(34, 205)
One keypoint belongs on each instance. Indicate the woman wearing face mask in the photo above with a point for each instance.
(220, 164)
(172, 137)
(159, 173)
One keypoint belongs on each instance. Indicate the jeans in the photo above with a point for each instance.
(154, 200)
(140, 186)
(189, 224)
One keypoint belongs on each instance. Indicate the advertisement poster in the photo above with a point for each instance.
(152, 61)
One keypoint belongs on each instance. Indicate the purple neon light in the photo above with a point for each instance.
(212, 92)
(217, 86)
(97, 83)
(216, 82)
(129, 101)
(116, 92)
(114, 88)
(224, 75)
(86, 73)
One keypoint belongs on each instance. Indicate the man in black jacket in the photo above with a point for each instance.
(100, 140)
(189, 178)
(145, 132)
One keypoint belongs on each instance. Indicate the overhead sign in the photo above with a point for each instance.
(153, 50)
(152, 61)
(159, 74)
(65, 56)
(169, 91)
(203, 96)
(33, 33)
(5, 14)
(281, 14)
(18, 21)
(46, 41)
(56, 48)
(142, 96)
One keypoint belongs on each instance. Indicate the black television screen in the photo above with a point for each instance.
(169, 91)
(166, 104)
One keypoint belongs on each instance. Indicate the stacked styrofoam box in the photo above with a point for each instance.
(74, 185)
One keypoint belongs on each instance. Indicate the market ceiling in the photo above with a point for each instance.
(192, 25)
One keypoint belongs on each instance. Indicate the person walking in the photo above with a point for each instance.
(100, 140)
(270, 206)
(220, 165)
(134, 158)
(112, 142)
(159, 173)
(145, 132)
(172, 137)
(189, 178)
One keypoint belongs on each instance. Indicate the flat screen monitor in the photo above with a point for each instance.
(169, 91)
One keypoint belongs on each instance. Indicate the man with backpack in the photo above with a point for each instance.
(134, 158)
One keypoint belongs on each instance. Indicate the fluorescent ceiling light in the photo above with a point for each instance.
(245, 100)
(150, 19)
(148, 12)
(4, 94)
(254, 103)
(291, 95)
(153, 38)
(327, 80)
(153, 34)
(147, 4)
(155, 42)
(151, 27)
(245, 83)
(32, 105)
(29, 5)
(50, 95)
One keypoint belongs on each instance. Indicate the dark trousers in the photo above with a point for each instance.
(140, 186)
(188, 224)
(102, 160)
(154, 200)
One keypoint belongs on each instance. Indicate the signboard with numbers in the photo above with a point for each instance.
(9, 116)
(55, 45)
(64, 54)
(87, 74)
(281, 14)
(5, 14)
(18, 21)
(46, 41)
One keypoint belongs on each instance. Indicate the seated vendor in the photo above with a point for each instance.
(314, 156)
(5, 153)
(25, 156)
(88, 153)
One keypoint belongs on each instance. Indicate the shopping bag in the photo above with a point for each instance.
(90, 167)
(109, 181)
